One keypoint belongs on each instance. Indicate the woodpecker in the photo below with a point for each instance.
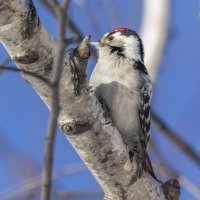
(121, 80)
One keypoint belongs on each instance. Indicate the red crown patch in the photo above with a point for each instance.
(118, 29)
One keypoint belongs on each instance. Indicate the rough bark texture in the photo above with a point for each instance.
(81, 117)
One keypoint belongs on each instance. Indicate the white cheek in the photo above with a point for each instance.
(132, 48)
(132, 52)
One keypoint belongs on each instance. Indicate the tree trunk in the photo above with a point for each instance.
(81, 116)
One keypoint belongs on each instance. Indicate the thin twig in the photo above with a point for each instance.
(181, 144)
(70, 24)
(56, 74)
(190, 186)
(6, 61)
(14, 69)
(71, 40)
(53, 3)
(184, 181)
(69, 21)
(34, 183)
(162, 166)
(77, 195)
(59, 195)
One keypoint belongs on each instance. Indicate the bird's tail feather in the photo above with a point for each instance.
(146, 162)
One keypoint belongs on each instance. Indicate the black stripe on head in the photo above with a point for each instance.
(118, 50)
(111, 33)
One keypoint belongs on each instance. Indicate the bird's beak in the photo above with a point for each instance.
(96, 44)
(100, 43)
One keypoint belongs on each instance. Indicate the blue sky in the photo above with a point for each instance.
(24, 117)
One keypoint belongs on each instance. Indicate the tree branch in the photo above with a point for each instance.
(78, 36)
(35, 182)
(23, 71)
(69, 22)
(81, 116)
(184, 181)
(55, 80)
(154, 30)
(181, 144)
(6, 61)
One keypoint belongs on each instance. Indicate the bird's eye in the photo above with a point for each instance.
(110, 38)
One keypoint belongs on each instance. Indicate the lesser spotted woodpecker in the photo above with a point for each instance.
(121, 80)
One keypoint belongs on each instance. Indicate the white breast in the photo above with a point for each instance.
(115, 81)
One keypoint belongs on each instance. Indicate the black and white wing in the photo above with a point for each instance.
(144, 116)
(145, 88)
(145, 108)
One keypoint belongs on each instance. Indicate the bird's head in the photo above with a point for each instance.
(123, 42)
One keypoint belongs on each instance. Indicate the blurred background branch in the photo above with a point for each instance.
(168, 171)
(69, 22)
(173, 137)
(61, 10)
(34, 183)
(154, 31)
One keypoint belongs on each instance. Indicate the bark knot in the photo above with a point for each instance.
(75, 128)
(28, 58)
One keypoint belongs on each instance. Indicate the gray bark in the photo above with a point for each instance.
(81, 116)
